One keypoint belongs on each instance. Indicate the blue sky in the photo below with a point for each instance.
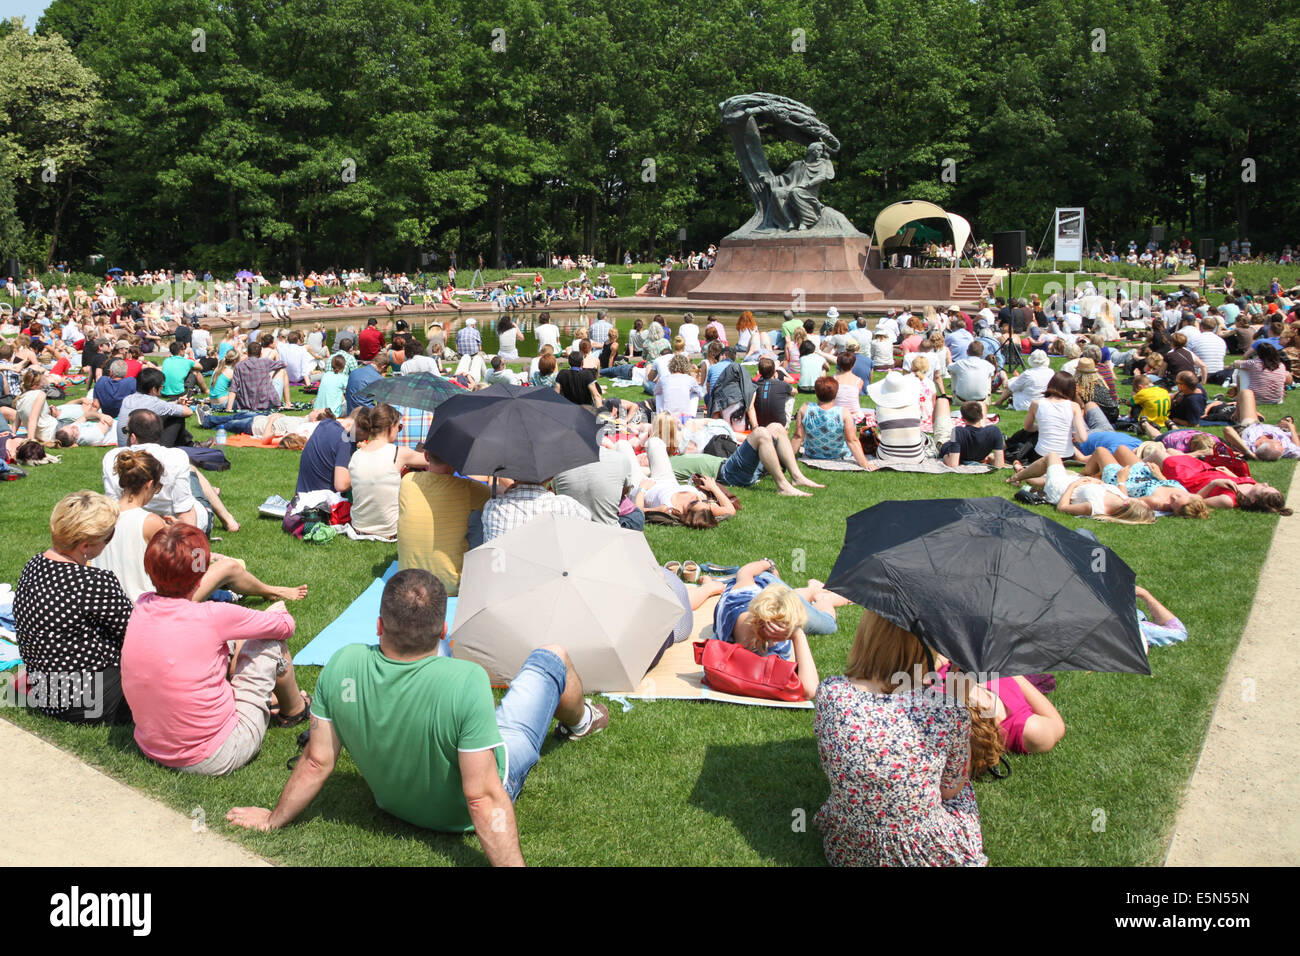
(31, 10)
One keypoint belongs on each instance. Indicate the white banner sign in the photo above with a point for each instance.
(1069, 235)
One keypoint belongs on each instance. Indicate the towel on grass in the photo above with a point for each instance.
(931, 466)
(678, 677)
(356, 625)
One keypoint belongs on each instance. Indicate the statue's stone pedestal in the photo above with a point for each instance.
(823, 270)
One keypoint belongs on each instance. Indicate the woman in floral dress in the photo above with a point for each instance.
(899, 758)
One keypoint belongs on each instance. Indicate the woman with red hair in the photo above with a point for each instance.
(198, 676)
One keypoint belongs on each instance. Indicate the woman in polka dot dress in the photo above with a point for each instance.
(71, 618)
(899, 760)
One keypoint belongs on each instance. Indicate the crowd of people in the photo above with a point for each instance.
(140, 621)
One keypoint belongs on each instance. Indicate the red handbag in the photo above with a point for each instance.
(733, 669)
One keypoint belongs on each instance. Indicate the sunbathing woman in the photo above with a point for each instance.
(1025, 718)
(699, 505)
(761, 612)
(1219, 486)
(1089, 496)
(1143, 481)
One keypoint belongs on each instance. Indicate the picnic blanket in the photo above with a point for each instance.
(248, 441)
(931, 466)
(678, 677)
(356, 625)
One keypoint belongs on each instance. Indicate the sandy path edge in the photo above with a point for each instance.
(1242, 803)
(70, 814)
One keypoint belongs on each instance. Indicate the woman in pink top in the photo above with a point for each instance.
(198, 707)
(1028, 722)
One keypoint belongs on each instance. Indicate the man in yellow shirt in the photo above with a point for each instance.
(1151, 400)
(434, 509)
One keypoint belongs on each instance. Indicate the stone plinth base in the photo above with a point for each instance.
(816, 271)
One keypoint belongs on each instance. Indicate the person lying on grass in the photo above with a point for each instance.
(1219, 486)
(1265, 442)
(1126, 470)
(761, 612)
(200, 677)
(275, 425)
(423, 731)
(1087, 496)
(1025, 718)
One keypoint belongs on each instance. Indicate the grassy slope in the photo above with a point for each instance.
(678, 783)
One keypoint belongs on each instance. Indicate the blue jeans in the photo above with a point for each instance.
(239, 422)
(618, 371)
(743, 468)
(524, 714)
(819, 622)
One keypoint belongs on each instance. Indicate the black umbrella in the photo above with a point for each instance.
(995, 588)
(530, 434)
(422, 390)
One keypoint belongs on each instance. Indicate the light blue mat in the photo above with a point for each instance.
(356, 625)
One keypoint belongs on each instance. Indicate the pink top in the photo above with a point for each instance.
(1018, 713)
(174, 662)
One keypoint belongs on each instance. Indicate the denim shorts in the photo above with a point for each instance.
(743, 468)
(524, 714)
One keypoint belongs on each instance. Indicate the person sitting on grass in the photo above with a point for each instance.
(200, 706)
(762, 613)
(70, 617)
(258, 383)
(140, 476)
(825, 430)
(1085, 496)
(974, 442)
(1149, 401)
(1188, 401)
(439, 519)
(423, 731)
(867, 721)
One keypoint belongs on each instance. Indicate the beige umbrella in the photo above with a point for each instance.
(596, 590)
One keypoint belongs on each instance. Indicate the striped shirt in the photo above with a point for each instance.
(900, 434)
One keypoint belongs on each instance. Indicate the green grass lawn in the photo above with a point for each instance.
(681, 783)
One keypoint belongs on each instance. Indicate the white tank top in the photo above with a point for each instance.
(124, 555)
(376, 482)
(1055, 420)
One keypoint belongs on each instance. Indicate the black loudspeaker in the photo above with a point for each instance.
(1207, 249)
(1009, 249)
(1157, 233)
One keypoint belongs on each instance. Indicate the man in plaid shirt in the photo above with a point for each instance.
(599, 331)
(523, 502)
(468, 339)
(258, 383)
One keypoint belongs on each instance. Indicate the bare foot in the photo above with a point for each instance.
(805, 482)
(1015, 470)
(289, 594)
(792, 492)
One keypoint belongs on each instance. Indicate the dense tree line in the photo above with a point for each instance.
(300, 133)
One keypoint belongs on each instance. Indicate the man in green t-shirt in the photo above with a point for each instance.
(788, 325)
(422, 728)
(176, 368)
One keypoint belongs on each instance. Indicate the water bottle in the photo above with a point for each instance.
(221, 436)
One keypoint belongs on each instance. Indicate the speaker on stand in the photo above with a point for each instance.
(1009, 249)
